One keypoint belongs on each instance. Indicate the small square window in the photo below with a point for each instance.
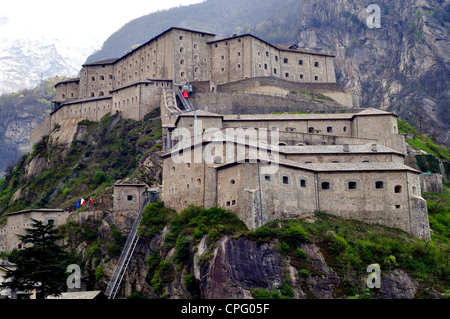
(352, 185)
(325, 185)
(130, 197)
(286, 60)
(329, 129)
(379, 184)
(316, 64)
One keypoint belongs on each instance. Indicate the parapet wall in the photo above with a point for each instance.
(240, 103)
(243, 85)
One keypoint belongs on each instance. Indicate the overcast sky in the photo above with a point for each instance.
(74, 20)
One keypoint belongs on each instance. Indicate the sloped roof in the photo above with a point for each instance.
(80, 295)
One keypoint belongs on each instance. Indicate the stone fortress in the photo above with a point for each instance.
(236, 135)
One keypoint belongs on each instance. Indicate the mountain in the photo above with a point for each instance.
(28, 57)
(402, 66)
(20, 113)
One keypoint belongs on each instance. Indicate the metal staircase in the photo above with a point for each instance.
(125, 256)
(186, 103)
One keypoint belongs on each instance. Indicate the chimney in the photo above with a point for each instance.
(374, 147)
(346, 148)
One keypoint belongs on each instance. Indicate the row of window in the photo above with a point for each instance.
(101, 77)
(353, 184)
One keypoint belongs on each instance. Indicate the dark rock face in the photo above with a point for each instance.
(396, 284)
(321, 285)
(240, 266)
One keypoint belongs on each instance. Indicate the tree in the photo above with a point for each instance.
(42, 264)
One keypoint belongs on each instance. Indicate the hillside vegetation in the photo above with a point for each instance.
(100, 154)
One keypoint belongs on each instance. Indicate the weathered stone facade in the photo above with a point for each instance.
(18, 221)
(352, 178)
(133, 83)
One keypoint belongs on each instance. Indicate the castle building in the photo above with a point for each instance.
(144, 78)
(242, 140)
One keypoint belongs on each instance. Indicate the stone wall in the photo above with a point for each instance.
(128, 197)
(245, 84)
(240, 103)
(290, 192)
(18, 221)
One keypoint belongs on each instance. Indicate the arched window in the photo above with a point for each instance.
(398, 189)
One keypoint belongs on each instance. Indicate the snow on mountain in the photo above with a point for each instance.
(26, 59)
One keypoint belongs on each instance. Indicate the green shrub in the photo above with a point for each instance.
(337, 245)
(190, 282)
(303, 272)
(99, 273)
(183, 252)
(286, 291)
(300, 253)
(261, 293)
(283, 248)
(295, 235)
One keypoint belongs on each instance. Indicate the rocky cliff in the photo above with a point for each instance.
(20, 113)
(303, 259)
(402, 66)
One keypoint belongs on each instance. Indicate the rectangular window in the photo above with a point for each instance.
(329, 129)
(286, 60)
(325, 185)
(286, 180)
(300, 62)
(302, 182)
(379, 184)
(316, 64)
